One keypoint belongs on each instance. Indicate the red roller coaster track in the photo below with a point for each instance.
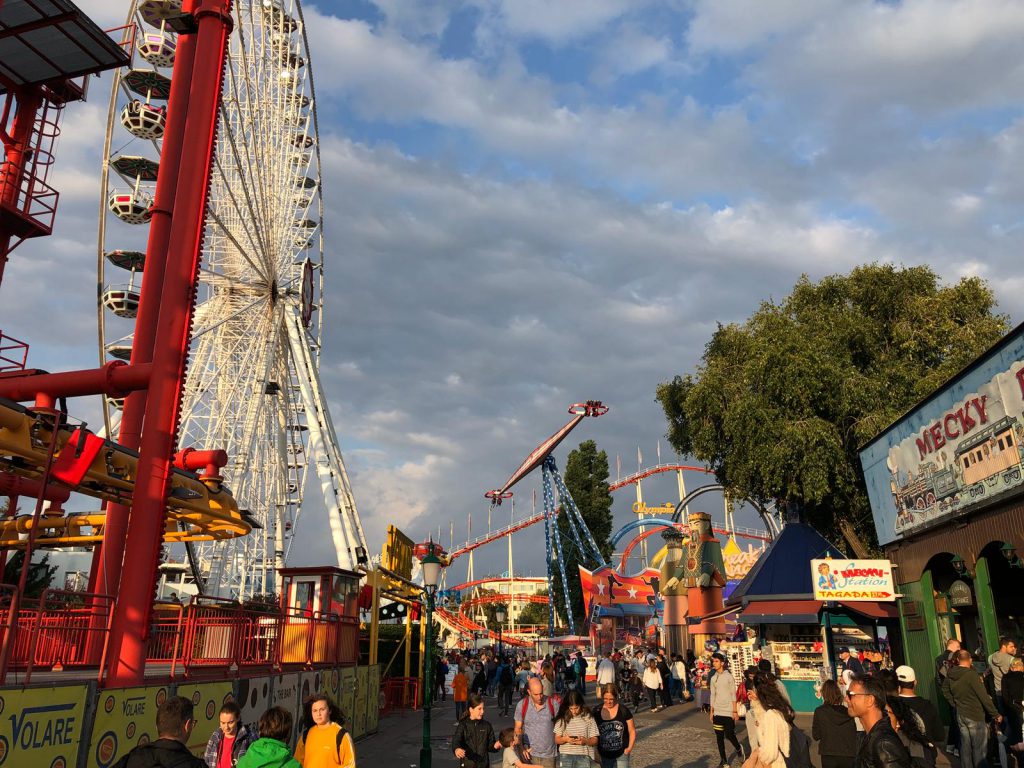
(645, 473)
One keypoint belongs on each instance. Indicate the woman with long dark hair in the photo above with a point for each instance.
(834, 729)
(774, 717)
(324, 735)
(575, 732)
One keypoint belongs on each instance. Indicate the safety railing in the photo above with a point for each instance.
(13, 353)
(212, 633)
(401, 694)
(60, 630)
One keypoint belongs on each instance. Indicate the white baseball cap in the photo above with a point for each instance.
(905, 674)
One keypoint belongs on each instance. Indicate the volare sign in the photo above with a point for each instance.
(853, 580)
(958, 450)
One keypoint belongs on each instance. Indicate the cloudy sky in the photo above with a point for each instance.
(534, 203)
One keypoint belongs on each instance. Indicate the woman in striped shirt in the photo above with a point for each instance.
(575, 732)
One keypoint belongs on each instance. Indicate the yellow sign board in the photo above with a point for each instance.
(42, 726)
(667, 509)
(125, 718)
(397, 553)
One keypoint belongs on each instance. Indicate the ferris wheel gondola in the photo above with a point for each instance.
(252, 385)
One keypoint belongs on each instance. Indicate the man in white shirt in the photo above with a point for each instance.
(605, 671)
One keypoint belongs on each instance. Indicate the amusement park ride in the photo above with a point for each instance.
(210, 334)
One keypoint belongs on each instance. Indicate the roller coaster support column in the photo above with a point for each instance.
(107, 557)
(127, 649)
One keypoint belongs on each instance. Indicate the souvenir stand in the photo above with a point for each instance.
(801, 636)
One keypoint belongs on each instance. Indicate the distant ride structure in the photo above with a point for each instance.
(251, 382)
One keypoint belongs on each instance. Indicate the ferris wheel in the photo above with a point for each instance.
(252, 385)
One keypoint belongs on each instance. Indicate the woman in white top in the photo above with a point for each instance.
(773, 717)
(653, 682)
(575, 732)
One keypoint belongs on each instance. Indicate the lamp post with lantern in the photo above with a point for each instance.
(431, 566)
(499, 616)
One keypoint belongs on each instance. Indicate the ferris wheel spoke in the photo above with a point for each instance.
(240, 249)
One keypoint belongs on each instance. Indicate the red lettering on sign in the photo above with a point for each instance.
(937, 439)
(979, 406)
(924, 443)
(951, 433)
(966, 422)
(1020, 381)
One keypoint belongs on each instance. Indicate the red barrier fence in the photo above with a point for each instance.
(401, 694)
(70, 630)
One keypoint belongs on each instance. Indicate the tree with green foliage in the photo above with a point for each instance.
(534, 613)
(586, 478)
(780, 405)
(40, 573)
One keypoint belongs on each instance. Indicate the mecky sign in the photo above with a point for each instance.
(853, 580)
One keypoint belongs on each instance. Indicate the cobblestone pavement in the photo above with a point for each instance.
(677, 736)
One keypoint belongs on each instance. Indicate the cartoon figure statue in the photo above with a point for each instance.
(704, 575)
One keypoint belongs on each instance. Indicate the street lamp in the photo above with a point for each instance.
(431, 566)
(499, 615)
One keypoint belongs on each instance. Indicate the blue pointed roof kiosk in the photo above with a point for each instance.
(802, 635)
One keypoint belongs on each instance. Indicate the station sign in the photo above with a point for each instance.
(853, 580)
(958, 451)
(397, 554)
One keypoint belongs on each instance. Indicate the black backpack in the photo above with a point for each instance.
(338, 738)
(799, 749)
(507, 678)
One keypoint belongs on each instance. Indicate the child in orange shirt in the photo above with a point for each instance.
(460, 691)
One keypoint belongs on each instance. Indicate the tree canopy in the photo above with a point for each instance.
(586, 477)
(780, 405)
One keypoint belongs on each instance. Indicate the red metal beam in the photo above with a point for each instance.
(107, 558)
(495, 536)
(13, 485)
(127, 651)
(116, 379)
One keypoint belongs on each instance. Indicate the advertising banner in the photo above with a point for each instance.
(373, 698)
(359, 708)
(42, 726)
(125, 718)
(348, 695)
(286, 695)
(254, 698)
(207, 699)
(853, 580)
(959, 450)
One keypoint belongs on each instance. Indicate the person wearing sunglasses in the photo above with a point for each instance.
(880, 747)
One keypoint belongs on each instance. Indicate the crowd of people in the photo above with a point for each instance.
(322, 743)
(870, 717)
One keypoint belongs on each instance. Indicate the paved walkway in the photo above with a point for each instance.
(674, 737)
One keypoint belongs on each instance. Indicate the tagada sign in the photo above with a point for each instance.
(853, 580)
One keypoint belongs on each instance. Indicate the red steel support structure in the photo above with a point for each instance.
(107, 557)
(176, 299)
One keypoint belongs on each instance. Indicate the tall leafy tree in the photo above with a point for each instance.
(780, 405)
(586, 477)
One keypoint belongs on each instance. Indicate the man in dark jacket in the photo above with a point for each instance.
(925, 709)
(964, 690)
(880, 747)
(849, 661)
(174, 724)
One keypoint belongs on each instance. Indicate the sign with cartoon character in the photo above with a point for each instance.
(853, 580)
(960, 449)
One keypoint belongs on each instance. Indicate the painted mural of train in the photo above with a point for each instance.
(984, 464)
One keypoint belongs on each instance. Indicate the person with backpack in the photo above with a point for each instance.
(534, 724)
(270, 750)
(506, 682)
(324, 743)
(780, 743)
(834, 729)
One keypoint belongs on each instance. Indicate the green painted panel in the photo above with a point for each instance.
(803, 694)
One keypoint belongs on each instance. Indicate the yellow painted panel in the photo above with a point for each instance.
(125, 718)
(207, 698)
(42, 726)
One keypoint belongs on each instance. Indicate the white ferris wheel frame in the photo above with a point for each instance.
(253, 385)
